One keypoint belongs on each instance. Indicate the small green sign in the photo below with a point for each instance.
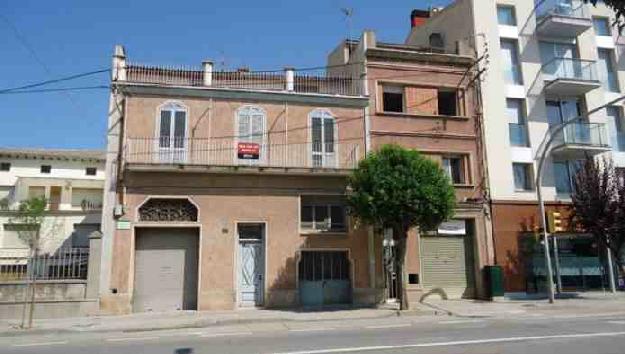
(123, 225)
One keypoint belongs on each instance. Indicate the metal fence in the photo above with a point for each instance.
(64, 264)
(299, 81)
(226, 152)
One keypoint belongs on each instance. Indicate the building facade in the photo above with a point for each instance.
(226, 190)
(426, 100)
(544, 63)
(71, 181)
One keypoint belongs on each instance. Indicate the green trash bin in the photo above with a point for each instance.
(494, 281)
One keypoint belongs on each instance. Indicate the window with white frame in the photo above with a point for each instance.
(323, 213)
(251, 129)
(172, 126)
(323, 138)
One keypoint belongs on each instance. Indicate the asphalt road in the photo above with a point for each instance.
(570, 335)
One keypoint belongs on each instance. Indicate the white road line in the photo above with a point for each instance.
(390, 326)
(312, 329)
(40, 344)
(128, 339)
(455, 343)
(617, 322)
(211, 335)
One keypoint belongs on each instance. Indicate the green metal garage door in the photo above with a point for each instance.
(324, 278)
(448, 264)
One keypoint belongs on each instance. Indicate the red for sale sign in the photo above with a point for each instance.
(250, 151)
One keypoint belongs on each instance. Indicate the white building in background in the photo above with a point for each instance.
(547, 61)
(72, 182)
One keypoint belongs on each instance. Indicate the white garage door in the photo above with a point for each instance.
(166, 270)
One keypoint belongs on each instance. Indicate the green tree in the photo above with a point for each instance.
(27, 219)
(400, 189)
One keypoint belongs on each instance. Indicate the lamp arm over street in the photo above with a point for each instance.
(546, 145)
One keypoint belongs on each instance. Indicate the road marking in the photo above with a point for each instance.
(455, 343)
(460, 321)
(389, 326)
(617, 322)
(38, 344)
(312, 329)
(127, 339)
(210, 335)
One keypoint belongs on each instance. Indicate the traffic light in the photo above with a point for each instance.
(554, 219)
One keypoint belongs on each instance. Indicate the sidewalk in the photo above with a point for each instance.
(592, 303)
(193, 319)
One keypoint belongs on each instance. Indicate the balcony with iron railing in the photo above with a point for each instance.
(577, 140)
(560, 18)
(230, 155)
(317, 82)
(570, 76)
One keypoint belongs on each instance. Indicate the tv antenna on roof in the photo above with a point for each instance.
(348, 12)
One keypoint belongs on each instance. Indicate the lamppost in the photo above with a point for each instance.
(547, 140)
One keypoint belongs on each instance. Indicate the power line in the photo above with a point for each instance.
(61, 89)
(53, 81)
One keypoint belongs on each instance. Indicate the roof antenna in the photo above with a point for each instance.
(348, 12)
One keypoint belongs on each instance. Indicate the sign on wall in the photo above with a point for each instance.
(453, 227)
(248, 151)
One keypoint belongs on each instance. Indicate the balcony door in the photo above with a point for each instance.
(559, 59)
(172, 144)
(251, 148)
(323, 137)
(564, 110)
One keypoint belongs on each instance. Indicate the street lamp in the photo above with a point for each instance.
(547, 140)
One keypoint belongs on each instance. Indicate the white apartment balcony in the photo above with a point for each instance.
(570, 76)
(580, 139)
(228, 155)
(558, 18)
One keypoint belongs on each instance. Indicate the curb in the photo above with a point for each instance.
(201, 323)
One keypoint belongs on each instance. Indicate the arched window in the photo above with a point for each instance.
(323, 135)
(172, 131)
(250, 133)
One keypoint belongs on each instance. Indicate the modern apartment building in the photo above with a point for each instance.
(425, 99)
(544, 62)
(226, 190)
(71, 181)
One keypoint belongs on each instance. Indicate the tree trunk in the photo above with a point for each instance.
(400, 237)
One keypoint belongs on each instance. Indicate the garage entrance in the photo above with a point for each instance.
(324, 278)
(447, 260)
(166, 269)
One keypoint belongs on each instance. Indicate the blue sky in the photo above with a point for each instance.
(60, 38)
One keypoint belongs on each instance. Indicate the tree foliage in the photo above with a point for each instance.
(599, 204)
(28, 219)
(400, 189)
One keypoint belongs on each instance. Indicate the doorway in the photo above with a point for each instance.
(251, 272)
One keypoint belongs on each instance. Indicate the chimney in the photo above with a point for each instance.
(418, 17)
